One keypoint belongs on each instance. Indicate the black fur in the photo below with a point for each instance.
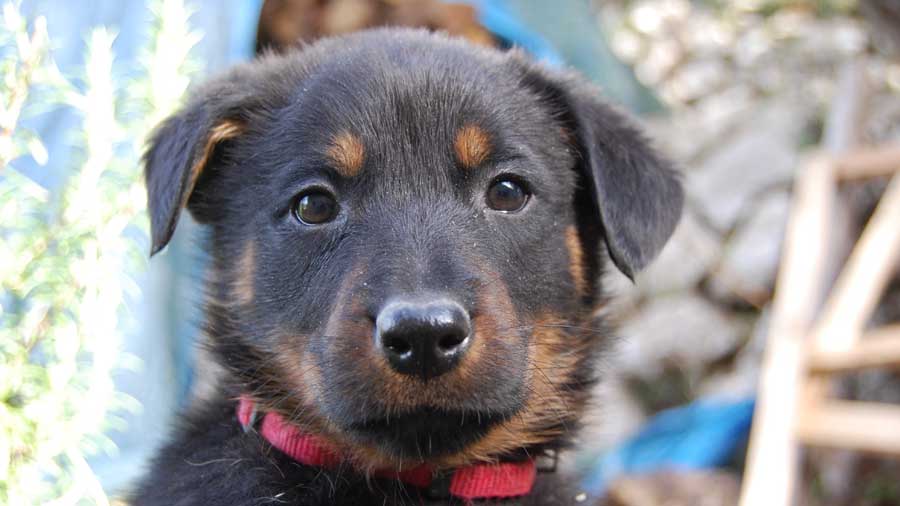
(291, 305)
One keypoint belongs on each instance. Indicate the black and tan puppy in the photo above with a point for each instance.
(406, 235)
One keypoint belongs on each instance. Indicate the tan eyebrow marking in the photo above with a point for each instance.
(472, 146)
(347, 153)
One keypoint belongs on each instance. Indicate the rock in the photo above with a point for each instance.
(883, 126)
(696, 79)
(683, 329)
(742, 379)
(691, 252)
(610, 418)
(682, 488)
(700, 128)
(623, 296)
(751, 256)
(761, 155)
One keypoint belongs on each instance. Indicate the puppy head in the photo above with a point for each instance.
(406, 238)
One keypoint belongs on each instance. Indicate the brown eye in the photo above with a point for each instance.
(315, 207)
(506, 196)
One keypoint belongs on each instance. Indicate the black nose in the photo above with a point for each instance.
(426, 338)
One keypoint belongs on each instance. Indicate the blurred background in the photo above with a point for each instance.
(97, 343)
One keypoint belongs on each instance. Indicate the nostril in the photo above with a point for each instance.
(451, 342)
(398, 346)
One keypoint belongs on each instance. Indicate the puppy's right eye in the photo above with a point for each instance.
(315, 207)
(507, 196)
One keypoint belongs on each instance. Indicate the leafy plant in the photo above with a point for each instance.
(68, 256)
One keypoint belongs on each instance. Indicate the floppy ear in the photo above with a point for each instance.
(637, 192)
(190, 142)
(179, 151)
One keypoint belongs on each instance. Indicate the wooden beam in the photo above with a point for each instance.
(846, 115)
(867, 163)
(772, 455)
(861, 426)
(877, 348)
(865, 276)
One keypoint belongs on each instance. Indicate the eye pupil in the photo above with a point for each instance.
(507, 196)
(315, 207)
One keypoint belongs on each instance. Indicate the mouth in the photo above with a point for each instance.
(427, 433)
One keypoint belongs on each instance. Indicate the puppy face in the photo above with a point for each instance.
(406, 234)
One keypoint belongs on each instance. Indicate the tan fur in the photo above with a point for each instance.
(223, 131)
(551, 364)
(299, 408)
(347, 153)
(489, 327)
(472, 146)
(242, 289)
(576, 261)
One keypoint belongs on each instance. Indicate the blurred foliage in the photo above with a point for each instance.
(69, 257)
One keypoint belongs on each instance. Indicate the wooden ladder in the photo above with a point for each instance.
(807, 346)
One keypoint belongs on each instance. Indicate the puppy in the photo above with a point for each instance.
(406, 236)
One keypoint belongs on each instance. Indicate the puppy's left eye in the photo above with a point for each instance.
(507, 196)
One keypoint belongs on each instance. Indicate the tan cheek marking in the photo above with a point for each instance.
(497, 322)
(246, 271)
(296, 365)
(553, 358)
(472, 146)
(310, 376)
(219, 133)
(303, 375)
(576, 261)
(347, 153)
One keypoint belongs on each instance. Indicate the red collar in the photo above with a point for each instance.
(481, 481)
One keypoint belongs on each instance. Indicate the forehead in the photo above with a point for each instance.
(413, 106)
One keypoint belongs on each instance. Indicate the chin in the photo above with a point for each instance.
(426, 434)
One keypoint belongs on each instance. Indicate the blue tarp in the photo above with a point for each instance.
(702, 435)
